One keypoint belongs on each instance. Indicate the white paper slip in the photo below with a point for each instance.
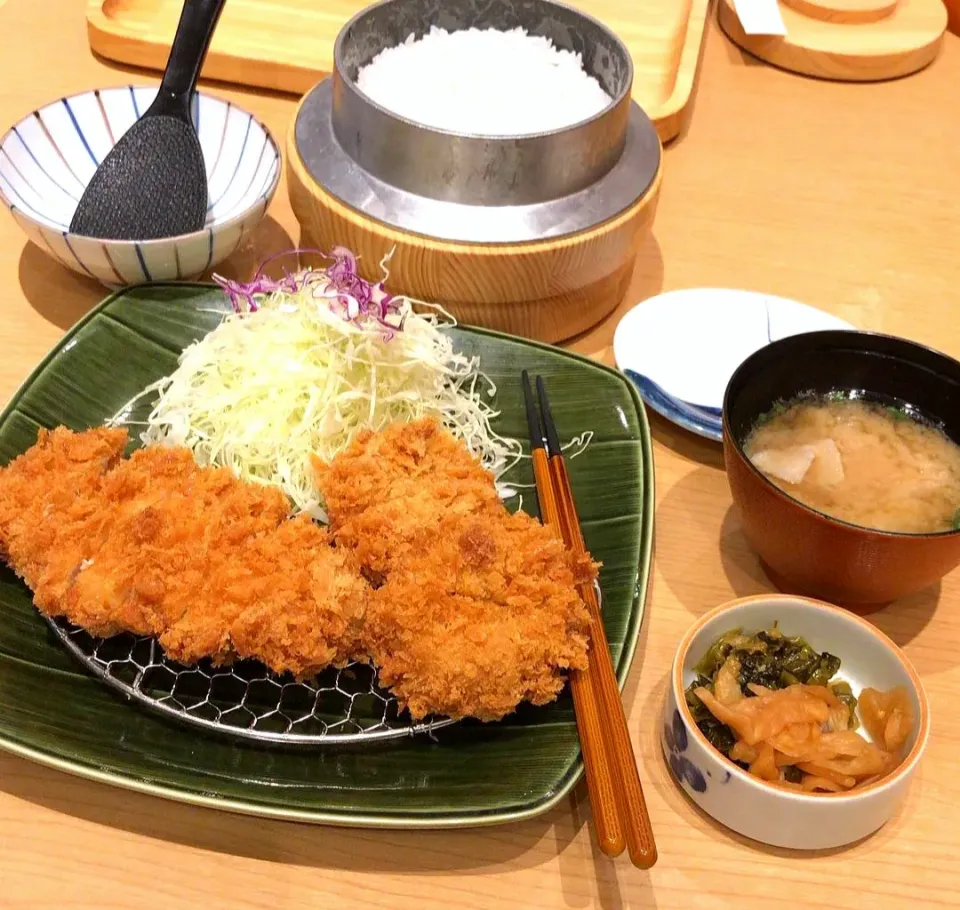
(760, 17)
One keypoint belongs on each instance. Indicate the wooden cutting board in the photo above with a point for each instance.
(847, 40)
(287, 45)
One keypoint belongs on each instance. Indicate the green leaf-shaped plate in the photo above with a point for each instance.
(53, 711)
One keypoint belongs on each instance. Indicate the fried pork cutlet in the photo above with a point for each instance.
(477, 609)
(300, 608)
(163, 529)
(386, 493)
(484, 618)
(45, 495)
(156, 545)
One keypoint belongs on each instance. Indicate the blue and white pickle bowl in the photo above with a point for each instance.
(753, 807)
(47, 159)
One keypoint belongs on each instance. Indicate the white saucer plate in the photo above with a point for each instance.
(681, 348)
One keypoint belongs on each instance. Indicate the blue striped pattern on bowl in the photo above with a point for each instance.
(47, 159)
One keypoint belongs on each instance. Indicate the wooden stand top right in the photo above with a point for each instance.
(847, 40)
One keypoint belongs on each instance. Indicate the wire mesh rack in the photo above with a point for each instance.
(245, 700)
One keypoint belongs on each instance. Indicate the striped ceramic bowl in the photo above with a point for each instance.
(47, 159)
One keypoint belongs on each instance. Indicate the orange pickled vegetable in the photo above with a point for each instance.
(805, 728)
(798, 740)
(726, 686)
(785, 708)
(888, 716)
(739, 723)
(811, 783)
(765, 765)
(839, 718)
(824, 693)
(816, 770)
(846, 742)
(776, 705)
(742, 752)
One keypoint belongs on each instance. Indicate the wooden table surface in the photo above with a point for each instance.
(846, 197)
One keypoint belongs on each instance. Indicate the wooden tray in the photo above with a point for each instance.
(287, 45)
(847, 40)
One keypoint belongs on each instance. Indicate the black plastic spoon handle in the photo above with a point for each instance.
(197, 23)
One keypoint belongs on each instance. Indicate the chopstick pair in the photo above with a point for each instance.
(619, 811)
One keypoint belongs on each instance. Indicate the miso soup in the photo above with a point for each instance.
(862, 462)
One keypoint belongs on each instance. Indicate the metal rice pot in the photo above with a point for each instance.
(480, 170)
(535, 234)
(420, 178)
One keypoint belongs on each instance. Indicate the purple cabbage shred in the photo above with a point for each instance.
(351, 297)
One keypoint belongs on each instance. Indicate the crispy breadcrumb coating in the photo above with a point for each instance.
(156, 545)
(468, 611)
(476, 609)
(485, 617)
(46, 494)
(385, 495)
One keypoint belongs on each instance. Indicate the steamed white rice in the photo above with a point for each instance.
(485, 82)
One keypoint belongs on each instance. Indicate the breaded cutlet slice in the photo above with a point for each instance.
(167, 527)
(299, 608)
(386, 493)
(486, 617)
(47, 496)
(213, 567)
(159, 546)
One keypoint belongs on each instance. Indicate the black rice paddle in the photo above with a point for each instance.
(153, 183)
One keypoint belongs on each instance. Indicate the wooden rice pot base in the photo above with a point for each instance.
(548, 290)
(847, 40)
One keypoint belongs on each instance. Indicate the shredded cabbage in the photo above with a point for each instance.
(306, 362)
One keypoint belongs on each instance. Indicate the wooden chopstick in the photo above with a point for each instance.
(601, 784)
(632, 806)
